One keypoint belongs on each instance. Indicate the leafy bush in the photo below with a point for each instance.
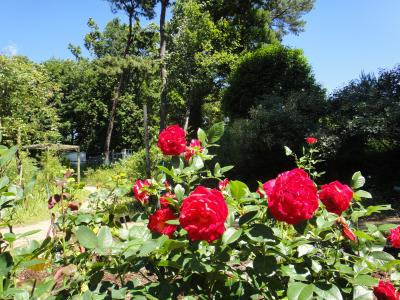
(132, 167)
(196, 234)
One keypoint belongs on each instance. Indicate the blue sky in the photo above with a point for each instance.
(342, 37)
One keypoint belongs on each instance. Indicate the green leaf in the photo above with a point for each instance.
(202, 136)
(118, 294)
(381, 257)
(104, 238)
(7, 155)
(179, 192)
(4, 181)
(261, 233)
(238, 189)
(328, 292)
(231, 235)
(300, 291)
(247, 217)
(264, 264)
(151, 245)
(361, 293)
(216, 132)
(365, 280)
(362, 235)
(139, 232)
(217, 170)
(288, 151)
(377, 208)
(363, 194)
(9, 237)
(166, 171)
(386, 227)
(86, 237)
(357, 181)
(304, 249)
(197, 163)
(226, 169)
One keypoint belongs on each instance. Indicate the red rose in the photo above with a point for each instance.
(386, 291)
(203, 214)
(222, 184)
(267, 187)
(157, 221)
(140, 194)
(172, 140)
(394, 237)
(193, 148)
(163, 199)
(294, 197)
(336, 197)
(311, 140)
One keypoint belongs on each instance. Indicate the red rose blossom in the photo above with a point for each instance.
(203, 214)
(394, 237)
(386, 291)
(267, 187)
(172, 140)
(163, 199)
(194, 146)
(311, 140)
(294, 197)
(222, 184)
(157, 221)
(140, 194)
(336, 197)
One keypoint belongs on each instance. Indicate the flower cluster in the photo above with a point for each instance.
(291, 197)
(203, 213)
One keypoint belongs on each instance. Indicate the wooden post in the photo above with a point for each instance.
(78, 153)
(146, 140)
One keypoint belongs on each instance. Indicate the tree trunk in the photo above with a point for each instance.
(163, 71)
(116, 96)
(146, 140)
(187, 118)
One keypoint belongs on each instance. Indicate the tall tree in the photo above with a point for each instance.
(134, 9)
(87, 86)
(256, 22)
(163, 69)
(196, 53)
(28, 100)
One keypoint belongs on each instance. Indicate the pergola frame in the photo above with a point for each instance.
(62, 148)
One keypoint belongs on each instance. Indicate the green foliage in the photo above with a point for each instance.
(270, 72)
(252, 23)
(88, 85)
(28, 98)
(132, 167)
(196, 58)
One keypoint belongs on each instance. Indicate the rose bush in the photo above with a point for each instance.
(196, 235)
